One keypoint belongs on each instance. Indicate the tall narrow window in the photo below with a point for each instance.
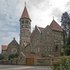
(56, 48)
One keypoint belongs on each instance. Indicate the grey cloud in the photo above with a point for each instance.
(40, 4)
(36, 2)
(56, 13)
(9, 23)
(68, 6)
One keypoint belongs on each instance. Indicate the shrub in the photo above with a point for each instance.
(63, 64)
(1, 56)
(12, 56)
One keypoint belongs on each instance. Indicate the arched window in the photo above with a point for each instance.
(56, 48)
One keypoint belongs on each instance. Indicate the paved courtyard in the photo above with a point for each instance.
(21, 67)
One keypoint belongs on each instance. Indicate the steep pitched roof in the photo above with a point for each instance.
(55, 26)
(13, 42)
(41, 29)
(4, 47)
(25, 13)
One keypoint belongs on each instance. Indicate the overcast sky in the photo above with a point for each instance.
(41, 13)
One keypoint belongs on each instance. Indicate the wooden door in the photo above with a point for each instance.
(29, 61)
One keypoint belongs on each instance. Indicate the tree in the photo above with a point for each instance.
(67, 47)
(65, 19)
(1, 56)
(62, 64)
(12, 56)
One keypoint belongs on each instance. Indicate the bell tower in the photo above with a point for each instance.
(25, 28)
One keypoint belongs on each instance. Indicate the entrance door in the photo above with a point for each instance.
(29, 61)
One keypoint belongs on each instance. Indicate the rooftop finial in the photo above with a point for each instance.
(53, 17)
(25, 3)
(14, 38)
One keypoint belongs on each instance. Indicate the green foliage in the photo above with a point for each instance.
(1, 56)
(67, 47)
(63, 64)
(68, 41)
(65, 18)
(12, 56)
(67, 50)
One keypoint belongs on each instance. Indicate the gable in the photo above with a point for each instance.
(13, 43)
(47, 30)
(55, 26)
(35, 32)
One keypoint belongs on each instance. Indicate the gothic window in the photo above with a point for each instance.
(26, 22)
(61, 42)
(22, 24)
(56, 48)
(13, 51)
(37, 50)
(22, 21)
(26, 26)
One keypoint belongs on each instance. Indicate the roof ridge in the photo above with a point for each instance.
(13, 41)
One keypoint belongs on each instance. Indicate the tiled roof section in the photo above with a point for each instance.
(25, 13)
(4, 47)
(13, 42)
(41, 29)
(55, 26)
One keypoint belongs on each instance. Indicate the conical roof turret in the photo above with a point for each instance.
(25, 13)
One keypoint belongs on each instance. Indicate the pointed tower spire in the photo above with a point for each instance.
(25, 13)
(25, 28)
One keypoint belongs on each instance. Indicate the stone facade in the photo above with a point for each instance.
(4, 49)
(13, 47)
(35, 40)
(43, 42)
(47, 42)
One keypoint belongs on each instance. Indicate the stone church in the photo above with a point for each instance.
(41, 43)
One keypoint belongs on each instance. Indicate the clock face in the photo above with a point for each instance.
(13, 51)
